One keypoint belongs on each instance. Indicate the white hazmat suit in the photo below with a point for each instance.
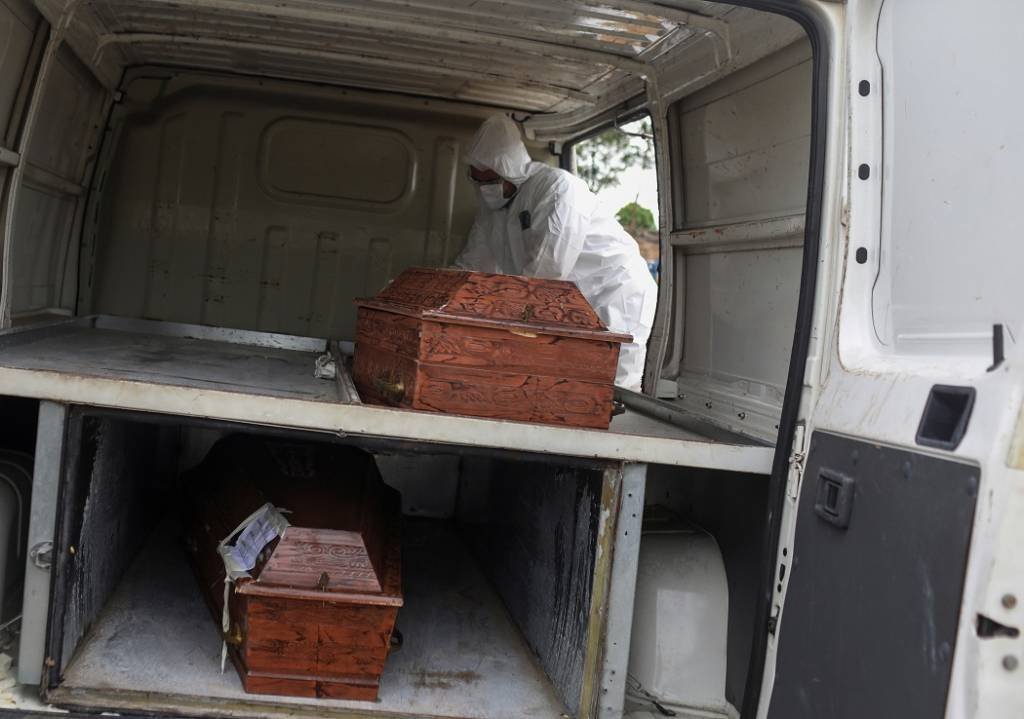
(554, 228)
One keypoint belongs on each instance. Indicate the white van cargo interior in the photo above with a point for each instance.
(197, 190)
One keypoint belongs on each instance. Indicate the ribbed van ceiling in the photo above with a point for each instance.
(530, 55)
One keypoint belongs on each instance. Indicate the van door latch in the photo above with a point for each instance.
(834, 501)
(42, 555)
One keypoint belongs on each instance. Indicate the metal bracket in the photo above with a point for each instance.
(41, 554)
(649, 136)
(9, 158)
(773, 620)
(797, 462)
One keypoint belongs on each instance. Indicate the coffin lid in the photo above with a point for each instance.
(554, 307)
(342, 542)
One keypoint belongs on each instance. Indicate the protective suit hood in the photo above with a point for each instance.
(498, 146)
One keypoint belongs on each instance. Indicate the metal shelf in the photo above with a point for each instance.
(265, 378)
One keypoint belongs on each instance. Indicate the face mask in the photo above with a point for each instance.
(493, 196)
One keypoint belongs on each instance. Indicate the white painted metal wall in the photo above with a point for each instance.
(271, 206)
(53, 153)
(58, 162)
(743, 147)
(18, 23)
(949, 262)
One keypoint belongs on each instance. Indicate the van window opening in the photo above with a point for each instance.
(618, 166)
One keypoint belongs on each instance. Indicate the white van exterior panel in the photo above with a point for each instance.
(949, 269)
(924, 93)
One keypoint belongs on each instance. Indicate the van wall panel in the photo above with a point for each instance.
(129, 265)
(45, 218)
(744, 152)
(534, 528)
(231, 259)
(234, 203)
(197, 212)
(17, 23)
(168, 233)
(748, 153)
(379, 269)
(62, 146)
(730, 334)
(335, 162)
(63, 130)
(301, 259)
(325, 273)
(337, 277)
(106, 518)
(271, 308)
(757, 183)
(439, 228)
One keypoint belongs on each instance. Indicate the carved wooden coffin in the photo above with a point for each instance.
(487, 345)
(316, 616)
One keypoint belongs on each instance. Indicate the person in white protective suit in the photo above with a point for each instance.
(540, 221)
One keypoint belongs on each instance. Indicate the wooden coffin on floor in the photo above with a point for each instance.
(487, 345)
(316, 618)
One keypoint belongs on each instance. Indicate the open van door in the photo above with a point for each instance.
(898, 586)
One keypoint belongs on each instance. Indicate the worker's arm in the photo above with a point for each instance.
(556, 233)
(477, 255)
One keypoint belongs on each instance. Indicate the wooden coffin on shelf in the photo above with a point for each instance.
(317, 615)
(487, 345)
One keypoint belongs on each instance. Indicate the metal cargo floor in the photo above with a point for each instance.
(156, 646)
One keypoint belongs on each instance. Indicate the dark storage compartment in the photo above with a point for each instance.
(503, 584)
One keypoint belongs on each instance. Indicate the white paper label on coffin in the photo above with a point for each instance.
(249, 539)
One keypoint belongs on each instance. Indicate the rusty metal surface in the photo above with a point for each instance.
(42, 515)
(622, 570)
